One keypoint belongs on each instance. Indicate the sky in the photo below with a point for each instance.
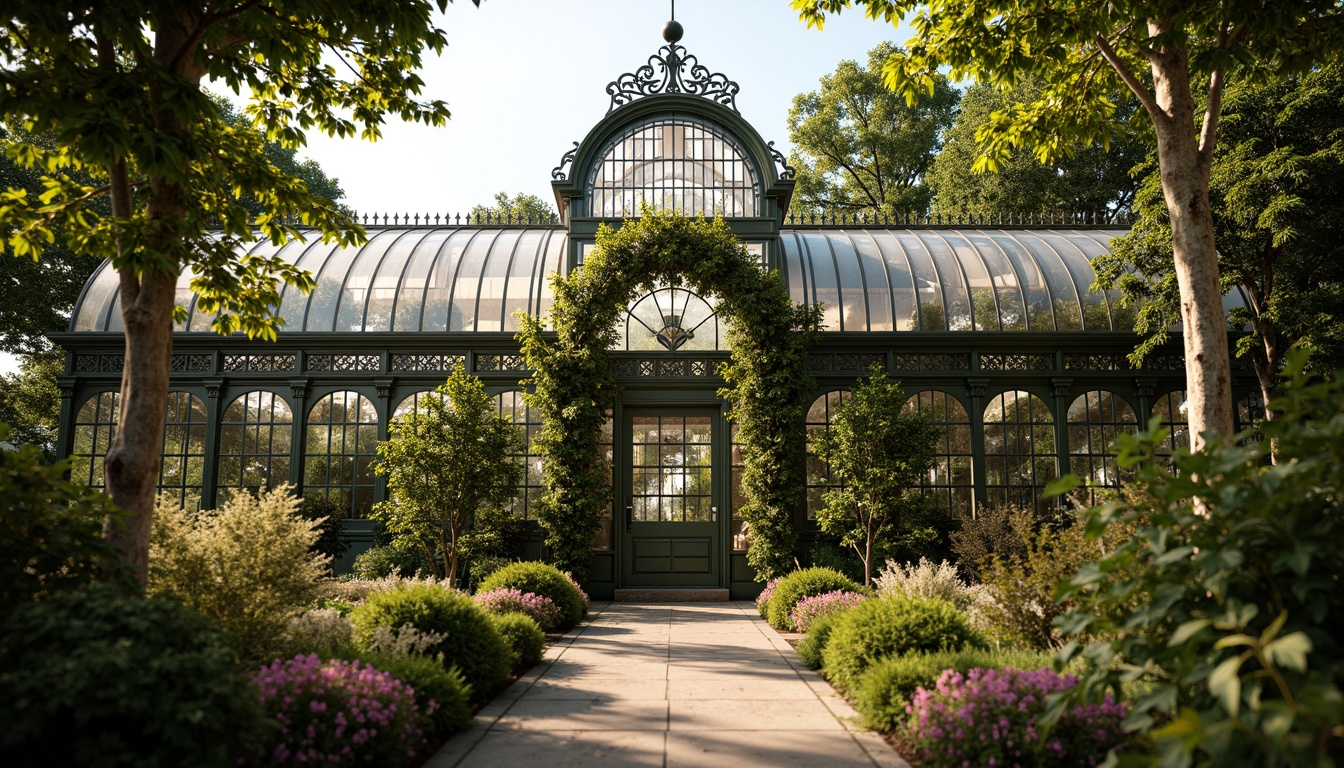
(526, 78)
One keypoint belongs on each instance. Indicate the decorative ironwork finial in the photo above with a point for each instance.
(672, 30)
(672, 70)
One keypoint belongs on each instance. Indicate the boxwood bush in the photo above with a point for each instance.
(798, 585)
(431, 682)
(471, 642)
(875, 629)
(818, 635)
(524, 638)
(882, 693)
(96, 679)
(545, 580)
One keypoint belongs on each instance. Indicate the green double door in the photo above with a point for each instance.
(672, 497)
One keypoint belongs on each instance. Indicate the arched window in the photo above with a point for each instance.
(672, 319)
(183, 468)
(818, 474)
(95, 423)
(339, 450)
(512, 407)
(1170, 407)
(1019, 449)
(1095, 418)
(254, 442)
(950, 480)
(412, 403)
(677, 164)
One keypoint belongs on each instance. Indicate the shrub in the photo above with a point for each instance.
(524, 638)
(763, 599)
(989, 717)
(450, 710)
(398, 560)
(541, 610)
(545, 580)
(247, 566)
(338, 712)
(52, 530)
(883, 692)
(875, 629)
(809, 609)
(992, 532)
(324, 631)
(495, 539)
(798, 585)
(813, 646)
(924, 579)
(327, 514)
(93, 678)
(470, 642)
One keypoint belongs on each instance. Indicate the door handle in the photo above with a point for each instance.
(629, 514)
(713, 514)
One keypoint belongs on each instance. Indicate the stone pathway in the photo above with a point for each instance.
(666, 686)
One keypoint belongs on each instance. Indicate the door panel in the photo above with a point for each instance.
(672, 528)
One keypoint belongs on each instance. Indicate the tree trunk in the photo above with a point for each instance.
(1185, 185)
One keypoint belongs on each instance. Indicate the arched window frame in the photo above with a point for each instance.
(512, 407)
(819, 416)
(339, 453)
(952, 479)
(1021, 456)
(255, 419)
(1095, 419)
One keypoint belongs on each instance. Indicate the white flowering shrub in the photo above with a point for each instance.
(924, 579)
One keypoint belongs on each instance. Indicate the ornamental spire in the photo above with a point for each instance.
(672, 70)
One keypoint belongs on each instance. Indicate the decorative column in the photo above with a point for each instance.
(1060, 389)
(298, 390)
(214, 408)
(975, 388)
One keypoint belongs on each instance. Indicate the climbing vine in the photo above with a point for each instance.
(573, 386)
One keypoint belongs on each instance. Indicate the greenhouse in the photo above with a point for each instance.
(992, 328)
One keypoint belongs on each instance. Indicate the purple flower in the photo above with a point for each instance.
(539, 608)
(809, 609)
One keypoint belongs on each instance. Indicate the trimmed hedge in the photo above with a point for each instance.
(541, 579)
(882, 693)
(876, 629)
(808, 582)
(472, 643)
(524, 638)
(431, 682)
(818, 635)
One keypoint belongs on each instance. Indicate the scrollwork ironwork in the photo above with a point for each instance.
(785, 170)
(558, 172)
(672, 70)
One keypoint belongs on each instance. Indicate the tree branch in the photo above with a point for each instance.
(210, 20)
(1145, 98)
(1208, 132)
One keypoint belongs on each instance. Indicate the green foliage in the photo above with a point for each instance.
(1279, 164)
(858, 147)
(94, 678)
(768, 387)
(30, 401)
(471, 642)
(812, 648)
(444, 463)
(1231, 610)
(329, 543)
(540, 579)
(51, 529)
(431, 681)
(888, 626)
(396, 557)
(992, 532)
(882, 692)
(800, 584)
(1093, 179)
(521, 208)
(877, 453)
(495, 539)
(249, 565)
(524, 638)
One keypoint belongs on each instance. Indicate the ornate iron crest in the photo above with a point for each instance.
(785, 170)
(558, 172)
(672, 70)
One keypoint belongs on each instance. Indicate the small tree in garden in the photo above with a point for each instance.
(447, 461)
(876, 454)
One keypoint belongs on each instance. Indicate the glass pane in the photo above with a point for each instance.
(383, 290)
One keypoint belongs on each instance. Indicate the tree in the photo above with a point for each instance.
(1276, 187)
(119, 88)
(876, 453)
(30, 402)
(859, 147)
(1093, 179)
(446, 462)
(1082, 53)
(522, 207)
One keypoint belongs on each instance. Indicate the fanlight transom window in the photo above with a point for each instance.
(672, 320)
(673, 164)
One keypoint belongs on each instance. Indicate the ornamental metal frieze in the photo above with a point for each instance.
(437, 363)
(1017, 362)
(931, 362)
(190, 364)
(672, 70)
(1095, 362)
(500, 363)
(676, 368)
(99, 363)
(823, 362)
(344, 363)
(259, 364)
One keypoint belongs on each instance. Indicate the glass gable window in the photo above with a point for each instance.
(677, 164)
(672, 319)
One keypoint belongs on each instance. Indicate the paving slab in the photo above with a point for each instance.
(669, 686)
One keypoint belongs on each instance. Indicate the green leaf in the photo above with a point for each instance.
(1225, 685)
(1290, 651)
(1188, 630)
(1061, 485)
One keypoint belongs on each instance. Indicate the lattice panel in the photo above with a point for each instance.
(501, 363)
(677, 368)
(1097, 362)
(99, 363)
(823, 362)
(345, 363)
(412, 363)
(190, 364)
(931, 362)
(259, 363)
(1017, 362)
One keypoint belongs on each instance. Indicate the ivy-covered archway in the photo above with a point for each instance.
(573, 385)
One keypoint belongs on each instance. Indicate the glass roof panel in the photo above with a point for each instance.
(410, 296)
(308, 256)
(956, 297)
(877, 288)
(321, 314)
(489, 310)
(826, 289)
(898, 276)
(91, 314)
(792, 258)
(928, 284)
(1095, 305)
(355, 291)
(518, 284)
(382, 298)
(555, 263)
(467, 281)
(439, 288)
(853, 296)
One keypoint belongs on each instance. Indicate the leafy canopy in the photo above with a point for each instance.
(522, 207)
(30, 401)
(860, 147)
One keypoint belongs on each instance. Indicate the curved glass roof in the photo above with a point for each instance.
(473, 279)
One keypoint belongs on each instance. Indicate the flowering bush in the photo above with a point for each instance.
(577, 588)
(887, 626)
(542, 579)
(924, 579)
(809, 609)
(801, 584)
(405, 640)
(539, 608)
(988, 717)
(338, 713)
(318, 630)
(763, 599)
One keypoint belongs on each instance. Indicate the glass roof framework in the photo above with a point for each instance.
(424, 279)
